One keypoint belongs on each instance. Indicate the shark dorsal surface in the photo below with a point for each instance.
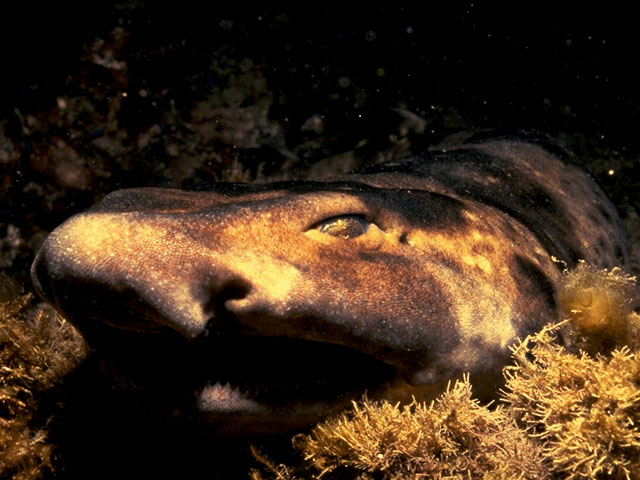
(261, 308)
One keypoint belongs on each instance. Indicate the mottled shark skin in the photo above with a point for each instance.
(262, 308)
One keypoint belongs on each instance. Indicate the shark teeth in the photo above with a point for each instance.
(226, 398)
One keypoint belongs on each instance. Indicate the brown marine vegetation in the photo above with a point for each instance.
(36, 350)
(599, 306)
(570, 409)
(453, 438)
(582, 399)
(585, 411)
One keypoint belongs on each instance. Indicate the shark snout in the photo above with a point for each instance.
(124, 272)
(149, 274)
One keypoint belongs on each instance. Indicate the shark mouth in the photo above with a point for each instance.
(241, 384)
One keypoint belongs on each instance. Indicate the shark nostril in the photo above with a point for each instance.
(233, 290)
(221, 322)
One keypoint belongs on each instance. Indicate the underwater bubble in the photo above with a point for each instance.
(344, 82)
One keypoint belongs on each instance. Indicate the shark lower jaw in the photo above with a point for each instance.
(225, 411)
(243, 386)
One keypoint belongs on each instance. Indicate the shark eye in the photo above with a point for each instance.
(346, 226)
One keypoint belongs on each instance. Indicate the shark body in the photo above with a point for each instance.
(263, 308)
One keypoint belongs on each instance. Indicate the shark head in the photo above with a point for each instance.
(264, 308)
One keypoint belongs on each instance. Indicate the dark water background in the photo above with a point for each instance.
(97, 96)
